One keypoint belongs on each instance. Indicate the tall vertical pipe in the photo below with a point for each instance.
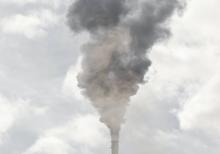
(114, 141)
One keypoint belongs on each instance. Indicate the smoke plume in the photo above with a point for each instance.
(115, 60)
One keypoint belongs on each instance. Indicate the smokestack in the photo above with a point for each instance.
(116, 59)
(114, 141)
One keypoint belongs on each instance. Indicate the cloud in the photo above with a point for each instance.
(195, 34)
(54, 3)
(7, 112)
(50, 145)
(201, 111)
(35, 24)
(10, 111)
(70, 85)
(83, 134)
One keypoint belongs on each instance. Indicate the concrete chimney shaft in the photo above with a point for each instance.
(114, 141)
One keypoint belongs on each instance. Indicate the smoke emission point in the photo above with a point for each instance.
(115, 61)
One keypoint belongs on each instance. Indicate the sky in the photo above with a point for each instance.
(43, 112)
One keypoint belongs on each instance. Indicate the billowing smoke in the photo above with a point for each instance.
(115, 60)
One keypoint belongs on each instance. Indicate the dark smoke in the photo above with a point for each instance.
(115, 61)
(94, 14)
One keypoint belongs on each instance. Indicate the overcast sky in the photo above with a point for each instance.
(43, 112)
